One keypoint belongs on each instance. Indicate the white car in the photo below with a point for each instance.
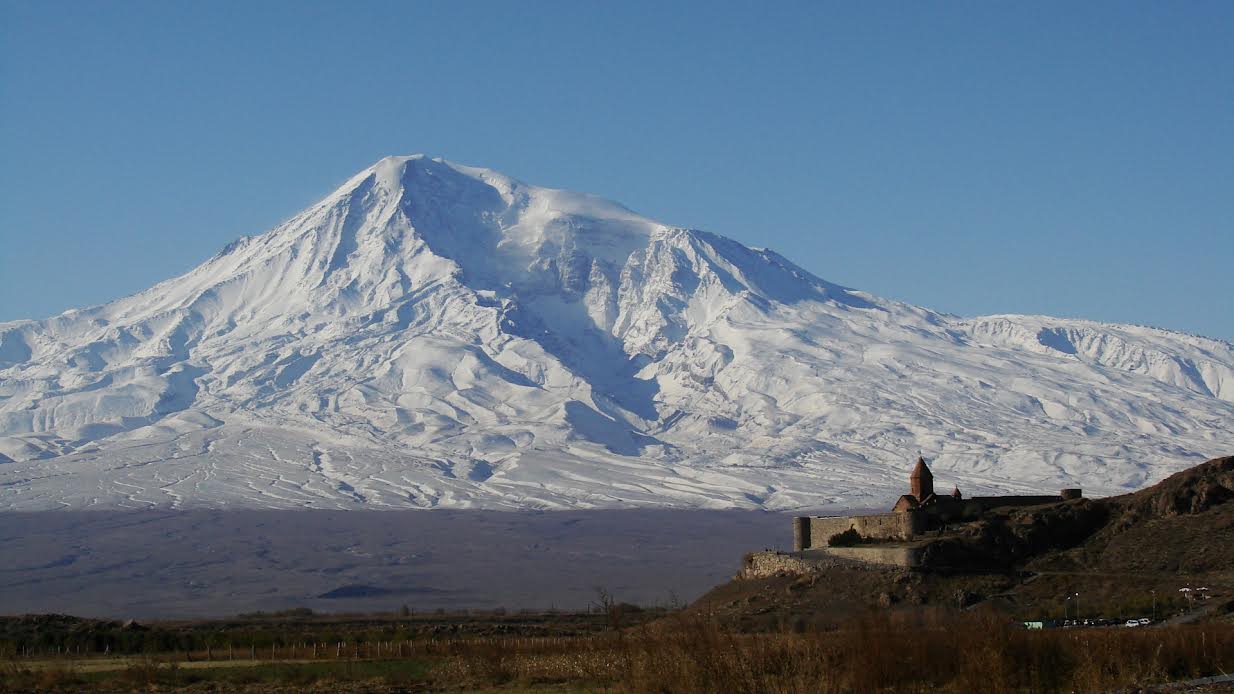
(1132, 623)
(1144, 621)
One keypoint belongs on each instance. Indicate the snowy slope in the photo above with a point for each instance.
(439, 335)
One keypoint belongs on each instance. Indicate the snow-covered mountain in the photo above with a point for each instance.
(440, 335)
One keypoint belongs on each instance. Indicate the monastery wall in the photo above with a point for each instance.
(813, 532)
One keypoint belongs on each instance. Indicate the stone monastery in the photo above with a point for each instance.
(919, 512)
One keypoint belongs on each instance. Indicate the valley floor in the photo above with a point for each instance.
(152, 564)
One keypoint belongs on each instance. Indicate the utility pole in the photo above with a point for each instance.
(1154, 592)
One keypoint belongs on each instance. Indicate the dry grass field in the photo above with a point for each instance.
(905, 650)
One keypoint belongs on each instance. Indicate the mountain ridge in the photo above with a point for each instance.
(432, 334)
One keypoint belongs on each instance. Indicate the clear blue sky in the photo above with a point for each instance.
(1072, 159)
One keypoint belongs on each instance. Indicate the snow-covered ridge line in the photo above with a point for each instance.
(1204, 367)
(437, 335)
(1106, 325)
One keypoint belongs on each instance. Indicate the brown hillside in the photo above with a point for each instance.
(1183, 524)
(1119, 556)
(1189, 492)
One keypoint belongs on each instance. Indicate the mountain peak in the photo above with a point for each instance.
(420, 173)
(433, 334)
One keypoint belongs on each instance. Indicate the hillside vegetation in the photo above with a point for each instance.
(1142, 554)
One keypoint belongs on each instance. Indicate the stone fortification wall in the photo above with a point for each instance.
(771, 563)
(767, 564)
(989, 502)
(813, 532)
(906, 557)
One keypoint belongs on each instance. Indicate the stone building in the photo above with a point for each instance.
(918, 512)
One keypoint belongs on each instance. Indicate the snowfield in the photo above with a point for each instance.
(435, 335)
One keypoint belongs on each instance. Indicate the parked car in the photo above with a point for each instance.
(1132, 623)
(1144, 621)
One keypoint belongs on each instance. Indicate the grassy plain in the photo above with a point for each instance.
(915, 649)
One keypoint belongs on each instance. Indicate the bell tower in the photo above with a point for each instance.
(921, 481)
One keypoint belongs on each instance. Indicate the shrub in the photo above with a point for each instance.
(848, 538)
